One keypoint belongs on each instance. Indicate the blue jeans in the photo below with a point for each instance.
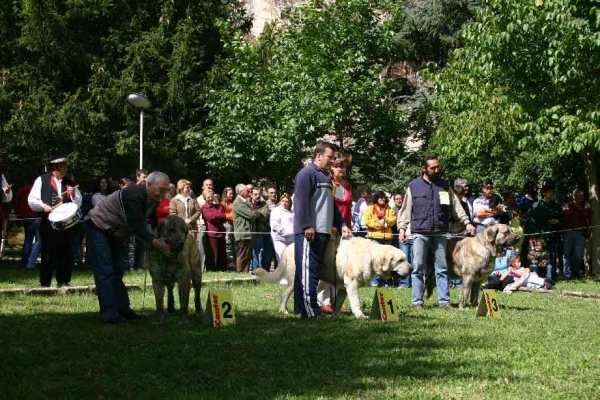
(104, 256)
(378, 281)
(573, 250)
(421, 245)
(263, 252)
(407, 248)
(31, 250)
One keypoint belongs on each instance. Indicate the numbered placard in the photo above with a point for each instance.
(384, 306)
(219, 309)
(488, 305)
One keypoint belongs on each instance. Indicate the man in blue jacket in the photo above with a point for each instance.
(428, 204)
(315, 214)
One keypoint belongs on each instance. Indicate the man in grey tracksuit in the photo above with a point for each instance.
(315, 214)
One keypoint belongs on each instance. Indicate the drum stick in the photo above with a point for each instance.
(74, 187)
(65, 192)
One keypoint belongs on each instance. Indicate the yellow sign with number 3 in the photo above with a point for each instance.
(488, 305)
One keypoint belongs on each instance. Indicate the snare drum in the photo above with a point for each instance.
(64, 216)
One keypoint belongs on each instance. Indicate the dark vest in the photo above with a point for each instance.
(49, 195)
(428, 215)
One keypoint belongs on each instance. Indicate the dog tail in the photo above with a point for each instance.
(281, 270)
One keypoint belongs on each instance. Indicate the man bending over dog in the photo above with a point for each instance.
(428, 204)
(315, 214)
(112, 222)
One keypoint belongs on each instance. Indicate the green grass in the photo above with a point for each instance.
(545, 346)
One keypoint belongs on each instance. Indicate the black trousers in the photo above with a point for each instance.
(57, 254)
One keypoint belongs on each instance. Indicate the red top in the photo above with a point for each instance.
(162, 211)
(22, 208)
(344, 203)
(214, 215)
(576, 216)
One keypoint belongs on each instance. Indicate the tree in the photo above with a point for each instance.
(316, 75)
(67, 67)
(525, 81)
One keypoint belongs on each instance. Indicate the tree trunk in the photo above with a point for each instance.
(591, 168)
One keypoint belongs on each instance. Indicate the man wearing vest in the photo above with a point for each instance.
(428, 204)
(112, 222)
(50, 190)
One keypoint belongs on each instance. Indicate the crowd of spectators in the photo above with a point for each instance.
(249, 226)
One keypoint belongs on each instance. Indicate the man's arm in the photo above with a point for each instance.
(7, 191)
(405, 212)
(459, 214)
(35, 197)
(243, 209)
(304, 187)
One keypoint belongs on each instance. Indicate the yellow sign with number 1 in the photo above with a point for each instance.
(219, 310)
(488, 305)
(384, 306)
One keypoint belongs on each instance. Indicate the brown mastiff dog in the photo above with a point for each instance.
(183, 268)
(473, 258)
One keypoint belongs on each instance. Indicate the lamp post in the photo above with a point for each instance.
(142, 103)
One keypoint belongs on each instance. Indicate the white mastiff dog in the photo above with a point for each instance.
(355, 264)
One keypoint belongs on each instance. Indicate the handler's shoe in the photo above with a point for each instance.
(327, 309)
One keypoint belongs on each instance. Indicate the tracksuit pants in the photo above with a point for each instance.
(308, 257)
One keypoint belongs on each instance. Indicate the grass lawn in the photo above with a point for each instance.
(545, 346)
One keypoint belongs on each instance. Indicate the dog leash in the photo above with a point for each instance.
(145, 276)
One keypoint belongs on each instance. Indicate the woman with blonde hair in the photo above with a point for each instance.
(184, 206)
(282, 225)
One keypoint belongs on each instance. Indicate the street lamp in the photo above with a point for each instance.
(142, 103)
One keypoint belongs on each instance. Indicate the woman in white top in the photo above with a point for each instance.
(282, 225)
(101, 191)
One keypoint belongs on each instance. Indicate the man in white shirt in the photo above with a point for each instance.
(486, 209)
(49, 191)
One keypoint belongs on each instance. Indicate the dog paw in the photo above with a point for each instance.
(360, 315)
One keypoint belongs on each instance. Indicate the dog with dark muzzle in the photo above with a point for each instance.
(184, 267)
(473, 258)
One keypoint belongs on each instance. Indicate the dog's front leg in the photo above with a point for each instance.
(170, 300)
(159, 294)
(464, 293)
(352, 291)
(475, 293)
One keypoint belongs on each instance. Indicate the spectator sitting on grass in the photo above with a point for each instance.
(539, 258)
(522, 276)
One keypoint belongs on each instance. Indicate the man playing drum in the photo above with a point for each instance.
(49, 191)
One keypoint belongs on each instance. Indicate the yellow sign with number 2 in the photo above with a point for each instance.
(219, 309)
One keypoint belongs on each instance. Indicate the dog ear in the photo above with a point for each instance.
(490, 233)
(385, 261)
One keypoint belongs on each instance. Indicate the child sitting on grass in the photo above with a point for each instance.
(522, 276)
(539, 258)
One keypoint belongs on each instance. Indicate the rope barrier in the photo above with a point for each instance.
(449, 235)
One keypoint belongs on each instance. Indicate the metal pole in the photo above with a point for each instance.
(141, 139)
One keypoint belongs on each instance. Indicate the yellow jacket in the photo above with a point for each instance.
(371, 220)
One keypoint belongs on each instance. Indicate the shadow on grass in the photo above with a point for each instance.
(263, 355)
